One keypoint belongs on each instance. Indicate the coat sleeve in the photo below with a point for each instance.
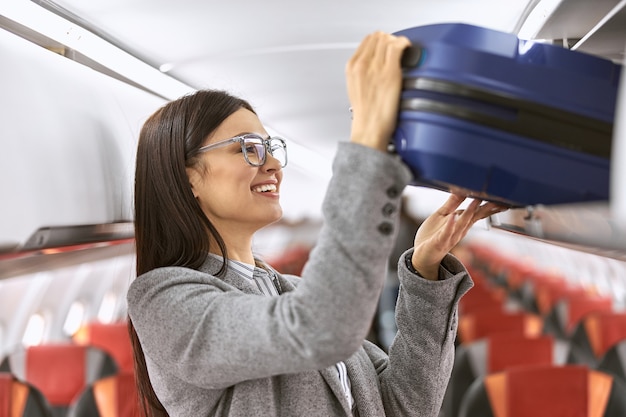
(414, 377)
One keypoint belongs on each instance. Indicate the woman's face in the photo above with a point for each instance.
(230, 191)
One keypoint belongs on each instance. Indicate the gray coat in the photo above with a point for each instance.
(217, 347)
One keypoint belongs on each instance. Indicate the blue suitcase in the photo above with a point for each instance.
(503, 119)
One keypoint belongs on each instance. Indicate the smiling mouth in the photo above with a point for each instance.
(265, 188)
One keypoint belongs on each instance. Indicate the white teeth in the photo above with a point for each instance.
(264, 188)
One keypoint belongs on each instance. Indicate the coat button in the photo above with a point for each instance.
(385, 228)
(388, 209)
(393, 192)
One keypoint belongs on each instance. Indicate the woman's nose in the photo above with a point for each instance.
(271, 163)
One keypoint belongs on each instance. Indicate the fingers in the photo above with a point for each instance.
(374, 82)
(452, 203)
(466, 218)
(363, 51)
(475, 211)
(467, 215)
(393, 53)
(489, 209)
(443, 230)
(381, 46)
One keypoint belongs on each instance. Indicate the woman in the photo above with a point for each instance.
(235, 338)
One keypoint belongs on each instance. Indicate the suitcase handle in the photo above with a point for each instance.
(411, 57)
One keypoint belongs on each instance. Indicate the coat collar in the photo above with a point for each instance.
(212, 265)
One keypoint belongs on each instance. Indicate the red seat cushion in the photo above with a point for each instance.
(604, 330)
(485, 323)
(58, 371)
(6, 383)
(117, 396)
(507, 351)
(112, 338)
(555, 391)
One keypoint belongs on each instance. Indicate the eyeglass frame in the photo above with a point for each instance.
(241, 139)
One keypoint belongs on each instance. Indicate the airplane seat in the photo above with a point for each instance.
(546, 390)
(486, 322)
(614, 361)
(112, 396)
(4, 365)
(483, 255)
(524, 294)
(535, 289)
(110, 337)
(503, 270)
(21, 399)
(488, 292)
(567, 312)
(548, 288)
(515, 275)
(595, 335)
(61, 370)
(482, 297)
(496, 353)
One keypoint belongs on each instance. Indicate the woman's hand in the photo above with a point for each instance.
(374, 80)
(443, 230)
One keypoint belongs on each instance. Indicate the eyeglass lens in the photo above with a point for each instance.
(255, 151)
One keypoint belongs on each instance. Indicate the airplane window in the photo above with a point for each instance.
(106, 313)
(616, 274)
(74, 318)
(34, 330)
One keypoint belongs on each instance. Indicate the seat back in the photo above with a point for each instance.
(20, 399)
(595, 335)
(61, 371)
(548, 289)
(605, 330)
(113, 396)
(482, 297)
(565, 315)
(110, 337)
(497, 353)
(556, 391)
(483, 323)
(614, 361)
(506, 351)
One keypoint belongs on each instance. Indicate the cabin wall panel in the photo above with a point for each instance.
(68, 141)
(20, 299)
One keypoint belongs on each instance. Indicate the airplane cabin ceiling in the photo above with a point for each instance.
(286, 57)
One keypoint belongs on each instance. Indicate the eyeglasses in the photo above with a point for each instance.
(255, 148)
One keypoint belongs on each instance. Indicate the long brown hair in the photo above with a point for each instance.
(170, 226)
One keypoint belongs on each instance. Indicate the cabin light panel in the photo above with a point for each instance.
(73, 36)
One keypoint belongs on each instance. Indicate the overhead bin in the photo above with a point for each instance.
(596, 225)
(586, 26)
(596, 27)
